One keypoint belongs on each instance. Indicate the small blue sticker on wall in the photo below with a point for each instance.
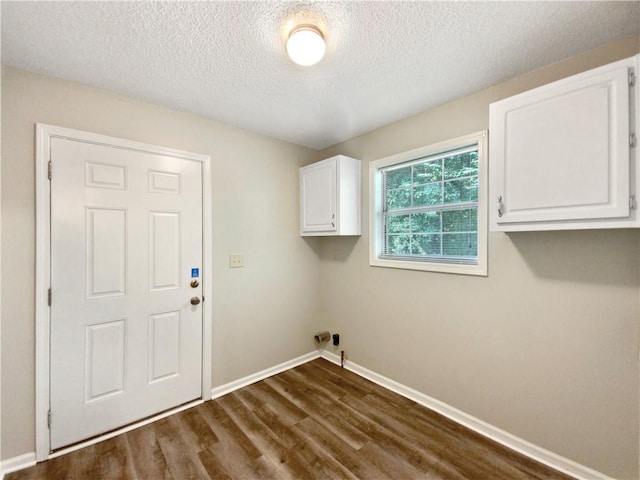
(195, 272)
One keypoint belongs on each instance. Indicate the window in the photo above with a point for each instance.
(428, 208)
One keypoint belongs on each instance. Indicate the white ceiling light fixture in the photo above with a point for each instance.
(306, 45)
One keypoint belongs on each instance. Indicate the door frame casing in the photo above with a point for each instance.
(44, 134)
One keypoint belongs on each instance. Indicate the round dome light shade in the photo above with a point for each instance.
(306, 45)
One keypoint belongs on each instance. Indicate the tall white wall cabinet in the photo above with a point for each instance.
(330, 197)
(564, 156)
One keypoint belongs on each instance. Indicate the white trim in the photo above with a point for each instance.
(256, 377)
(375, 207)
(14, 464)
(510, 441)
(44, 133)
(207, 277)
(43, 277)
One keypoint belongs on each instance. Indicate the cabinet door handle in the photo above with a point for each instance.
(333, 217)
(500, 206)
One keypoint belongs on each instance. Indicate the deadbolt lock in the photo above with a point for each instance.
(195, 300)
(194, 283)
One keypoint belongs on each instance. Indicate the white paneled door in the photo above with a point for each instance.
(126, 260)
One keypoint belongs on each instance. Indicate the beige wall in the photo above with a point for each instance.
(263, 314)
(545, 347)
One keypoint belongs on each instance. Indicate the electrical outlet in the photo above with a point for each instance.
(236, 260)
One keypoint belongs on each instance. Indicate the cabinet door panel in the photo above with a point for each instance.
(318, 197)
(561, 153)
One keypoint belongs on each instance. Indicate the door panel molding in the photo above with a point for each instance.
(110, 179)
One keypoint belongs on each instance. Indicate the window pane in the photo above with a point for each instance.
(427, 172)
(465, 190)
(430, 208)
(426, 245)
(460, 220)
(463, 165)
(400, 177)
(460, 244)
(430, 194)
(398, 245)
(398, 223)
(425, 222)
(398, 198)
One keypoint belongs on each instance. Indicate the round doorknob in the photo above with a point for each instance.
(195, 300)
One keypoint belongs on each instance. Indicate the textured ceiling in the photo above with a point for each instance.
(226, 60)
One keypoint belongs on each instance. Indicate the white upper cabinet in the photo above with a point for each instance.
(561, 155)
(330, 197)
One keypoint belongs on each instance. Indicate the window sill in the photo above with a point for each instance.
(458, 269)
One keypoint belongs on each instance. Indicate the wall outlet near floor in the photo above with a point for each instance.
(236, 260)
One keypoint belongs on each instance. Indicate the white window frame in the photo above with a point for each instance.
(376, 217)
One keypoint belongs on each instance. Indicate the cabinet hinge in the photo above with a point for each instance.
(632, 78)
(49, 419)
(632, 140)
(632, 202)
(49, 170)
(49, 297)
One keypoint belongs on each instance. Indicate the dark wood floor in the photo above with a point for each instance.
(316, 421)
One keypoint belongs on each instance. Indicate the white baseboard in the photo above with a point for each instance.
(17, 463)
(524, 447)
(256, 377)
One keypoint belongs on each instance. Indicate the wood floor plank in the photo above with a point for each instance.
(116, 460)
(278, 425)
(246, 396)
(285, 408)
(222, 423)
(319, 462)
(264, 422)
(441, 441)
(214, 468)
(265, 440)
(392, 465)
(182, 461)
(235, 453)
(317, 421)
(334, 389)
(398, 400)
(317, 405)
(352, 460)
(438, 445)
(315, 369)
(480, 459)
(195, 430)
(150, 462)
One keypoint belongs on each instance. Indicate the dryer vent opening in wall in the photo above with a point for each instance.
(322, 337)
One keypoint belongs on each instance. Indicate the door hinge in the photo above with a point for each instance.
(49, 419)
(632, 78)
(49, 170)
(632, 202)
(632, 140)
(49, 297)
